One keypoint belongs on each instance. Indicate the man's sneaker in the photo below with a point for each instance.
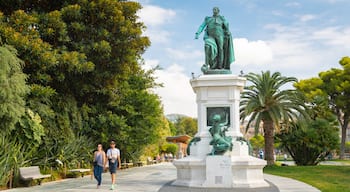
(112, 187)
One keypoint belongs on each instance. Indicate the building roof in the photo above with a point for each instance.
(179, 139)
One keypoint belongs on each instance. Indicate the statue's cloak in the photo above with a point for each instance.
(229, 56)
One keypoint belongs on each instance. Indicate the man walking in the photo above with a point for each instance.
(113, 156)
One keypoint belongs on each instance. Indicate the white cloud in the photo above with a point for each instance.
(302, 50)
(275, 27)
(158, 35)
(251, 52)
(277, 13)
(307, 17)
(333, 36)
(292, 4)
(335, 1)
(184, 54)
(176, 94)
(154, 16)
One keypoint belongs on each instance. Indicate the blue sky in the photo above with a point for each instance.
(296, 38)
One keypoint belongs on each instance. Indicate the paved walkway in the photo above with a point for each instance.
(145, 179)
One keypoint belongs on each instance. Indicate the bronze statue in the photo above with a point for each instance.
(218, 46)
(220, 142)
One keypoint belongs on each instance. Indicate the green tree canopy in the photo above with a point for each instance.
(83, 63)
(170, 148)
(13, 89)
(333, 87)
(186, 126)
(257, 142)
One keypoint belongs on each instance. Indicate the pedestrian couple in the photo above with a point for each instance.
(100, 162)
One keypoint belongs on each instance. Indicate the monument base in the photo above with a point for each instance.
(171, 188)
(247, 172)
(220, 172)
(218, 71)
(190, 172)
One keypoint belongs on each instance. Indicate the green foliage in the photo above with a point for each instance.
(170, 148)
(265, 101)
(13, 89)
(310, 141)
(257, 142)
(347, 147)
(77, 150)
(152, 150)
(333, 86)
(29, 130)
(13, 156)
(186, 126)
(83, 63)
(172, 128)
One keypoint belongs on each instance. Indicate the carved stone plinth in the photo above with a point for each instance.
(219, 94)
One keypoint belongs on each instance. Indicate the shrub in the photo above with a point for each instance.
(170, 148)
(13, 155)
(257, 142)
(310, 141)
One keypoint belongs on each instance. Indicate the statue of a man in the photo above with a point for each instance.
(219, 52)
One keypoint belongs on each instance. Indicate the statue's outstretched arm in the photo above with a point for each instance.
(200, 29)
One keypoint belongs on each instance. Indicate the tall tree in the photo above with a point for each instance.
(13, 89)
(265, 101)
(83, 59)
(186, 125)
(334, 86)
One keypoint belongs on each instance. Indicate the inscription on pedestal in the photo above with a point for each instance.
(218, 172)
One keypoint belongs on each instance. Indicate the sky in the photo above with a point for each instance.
(298, 38)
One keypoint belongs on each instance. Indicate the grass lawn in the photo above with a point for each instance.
(327, 178)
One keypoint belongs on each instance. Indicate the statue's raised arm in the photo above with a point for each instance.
(218, 45)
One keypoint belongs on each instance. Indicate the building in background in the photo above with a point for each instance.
(182, 143)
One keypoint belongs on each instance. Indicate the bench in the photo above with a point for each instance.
(81, 171)
(32, 173)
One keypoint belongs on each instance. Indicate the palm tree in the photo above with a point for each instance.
(265, 101)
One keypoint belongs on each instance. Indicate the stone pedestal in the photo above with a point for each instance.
(234, 169)
(218, 174)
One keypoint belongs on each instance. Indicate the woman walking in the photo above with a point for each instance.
(99, 164)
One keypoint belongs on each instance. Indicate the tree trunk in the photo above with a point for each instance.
(343, 138)
(269, 141)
